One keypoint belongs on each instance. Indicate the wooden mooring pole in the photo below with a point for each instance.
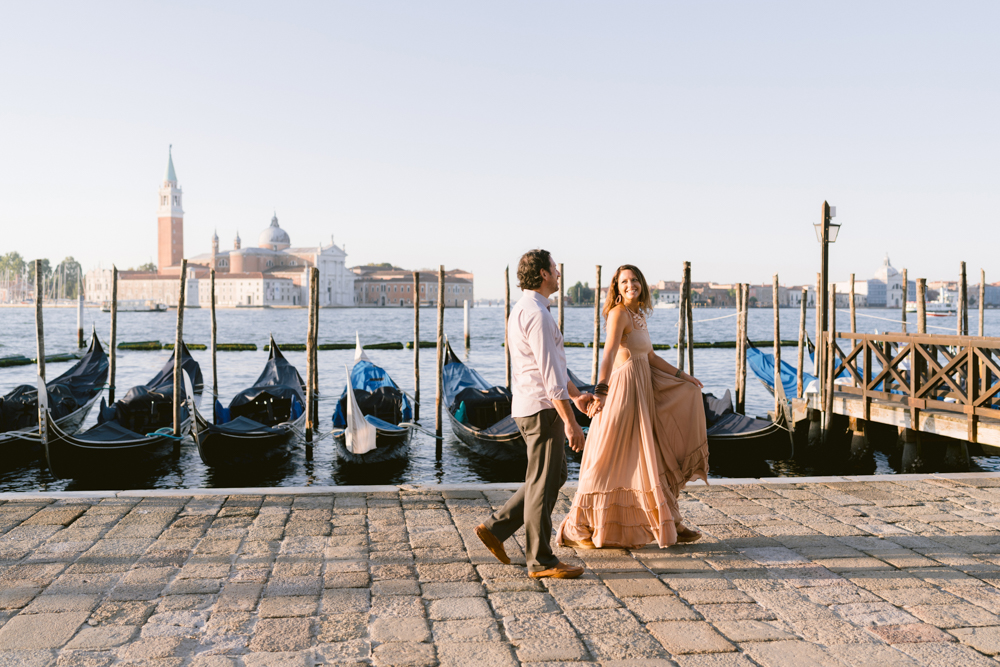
(314, 286)
(921, 305)
(310, 397)
(214, 341)
(39, 323)
(800, 368)
(179, 349)
(820, 344)
(506, 317)
(468, 336)
(562, 292)
(779, 394)
(744, 318)
(739, 340)
(113, 353)
(681, 320)
(440, 366)
(982, 302)
(854, 316)
(597, 327)
(963, 302)
(690, 316)
(830, 364)
(79, 311)
(906, 290)
(416, 346)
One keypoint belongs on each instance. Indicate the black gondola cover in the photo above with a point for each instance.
(385, 403)
(165, 378)
(483, 408)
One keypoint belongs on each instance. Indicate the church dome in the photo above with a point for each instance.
(274, 237)
(887, 270)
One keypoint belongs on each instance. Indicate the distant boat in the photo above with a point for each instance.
(135, 306)
(260, 423)
(71, 396)
(371, 419)
(132, 433)
(943, 306)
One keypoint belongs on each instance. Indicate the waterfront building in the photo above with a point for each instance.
(885, 289)
(170, 221)
(387, 285)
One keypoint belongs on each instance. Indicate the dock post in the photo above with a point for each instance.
(79, 311)
(597, 328)
(913, 460)
(690, 316)
(681, 321)
(113, 353)
(906, 290)
(310, 397)
(860, 450)
(506, 317)
(468, 338)
(921, 305)
(963, 302)
(854, 317)
(779, 394)
(800, 369)
(440, 365)
(831, 366)
(739, 340)
(314, 287)
(179, 350)
(820, 343)
(982, 302)
(215, 369)
(741, 387)
(39, 325)
(416, 346)
(562, 292)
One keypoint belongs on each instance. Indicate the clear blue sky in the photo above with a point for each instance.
(465, 133)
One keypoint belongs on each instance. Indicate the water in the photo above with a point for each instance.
(237, 370)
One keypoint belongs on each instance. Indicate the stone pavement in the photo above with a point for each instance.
(887, 573)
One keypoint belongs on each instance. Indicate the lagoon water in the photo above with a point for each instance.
(237, 370)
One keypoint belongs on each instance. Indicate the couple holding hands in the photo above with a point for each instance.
(647, 438)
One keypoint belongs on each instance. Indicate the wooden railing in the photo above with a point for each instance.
(959, 374)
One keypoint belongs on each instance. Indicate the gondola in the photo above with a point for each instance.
(71, 397)
(480, 413)
(732, 436)
(260, 423)
(382, 434)
(132, 433)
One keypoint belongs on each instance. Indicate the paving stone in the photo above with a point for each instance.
(469, 630)
(867, 655)
(113, 612)
(346, 600)
(144, 650)
(40, 631)
(689, 637)
(551, 650)
(406, 629)
(946, 654)
(754, 631)
(611, 647)
(714, 660)
(910, 633)
(103, 637)
(341, 627)
(954, 615)
(452, 589)
(27, 658)
(984, 640)
(288, 606)
(484, 654)
(405, 654)
(790, 654)
(603, 621)
(281, 634)
(660, 608)
(873, 613)
(734, 612)
(517, 603)
(398, 587)
(459, 608)
(397, 605)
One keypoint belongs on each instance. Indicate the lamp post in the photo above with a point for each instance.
(826, 233)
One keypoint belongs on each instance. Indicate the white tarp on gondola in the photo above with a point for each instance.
(359, 435)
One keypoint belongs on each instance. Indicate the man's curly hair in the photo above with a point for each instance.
(529, 269)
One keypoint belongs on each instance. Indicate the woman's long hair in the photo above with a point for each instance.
(645, 305)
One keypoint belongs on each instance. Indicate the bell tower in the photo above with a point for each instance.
(170, 215)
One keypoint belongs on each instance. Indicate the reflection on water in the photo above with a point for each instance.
(237, 370)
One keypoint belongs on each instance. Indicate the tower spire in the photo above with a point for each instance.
(171, 176)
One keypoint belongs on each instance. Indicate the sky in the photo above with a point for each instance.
(463, 134)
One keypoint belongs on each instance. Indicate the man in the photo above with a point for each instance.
(541, 407)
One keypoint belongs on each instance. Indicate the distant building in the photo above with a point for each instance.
(885, 289)
(387, 285)
(271, 274)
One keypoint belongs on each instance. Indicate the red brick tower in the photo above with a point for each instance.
(170, 220)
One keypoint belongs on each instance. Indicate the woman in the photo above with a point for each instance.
(647, 438)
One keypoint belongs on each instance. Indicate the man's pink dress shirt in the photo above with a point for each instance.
(537, 357)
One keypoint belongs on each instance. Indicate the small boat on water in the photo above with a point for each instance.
(71, 397)
(943, 306)
(371, 421)
(734, 437)
(132, 433)
(261, 422)
(480, 413)
(135, 306)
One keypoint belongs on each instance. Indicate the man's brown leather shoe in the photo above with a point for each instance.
(560, 571)
(492, 543)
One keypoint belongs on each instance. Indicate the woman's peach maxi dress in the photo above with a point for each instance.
(643, 447)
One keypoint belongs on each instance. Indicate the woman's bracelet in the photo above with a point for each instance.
(678, 373)
(601, 389)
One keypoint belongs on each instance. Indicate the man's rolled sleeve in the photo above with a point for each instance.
(542, 344)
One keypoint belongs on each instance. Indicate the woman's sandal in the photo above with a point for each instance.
(686, 536)
(583, 544)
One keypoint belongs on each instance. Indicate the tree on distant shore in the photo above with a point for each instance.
(581, 293)
(12, 265)
(148, 267)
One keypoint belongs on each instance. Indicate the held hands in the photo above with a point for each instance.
(583, 401)
(574, 434)
(596, 405)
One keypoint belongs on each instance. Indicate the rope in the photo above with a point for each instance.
(417, 427)
(709, 319)
(157, 434)
(886, 319)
